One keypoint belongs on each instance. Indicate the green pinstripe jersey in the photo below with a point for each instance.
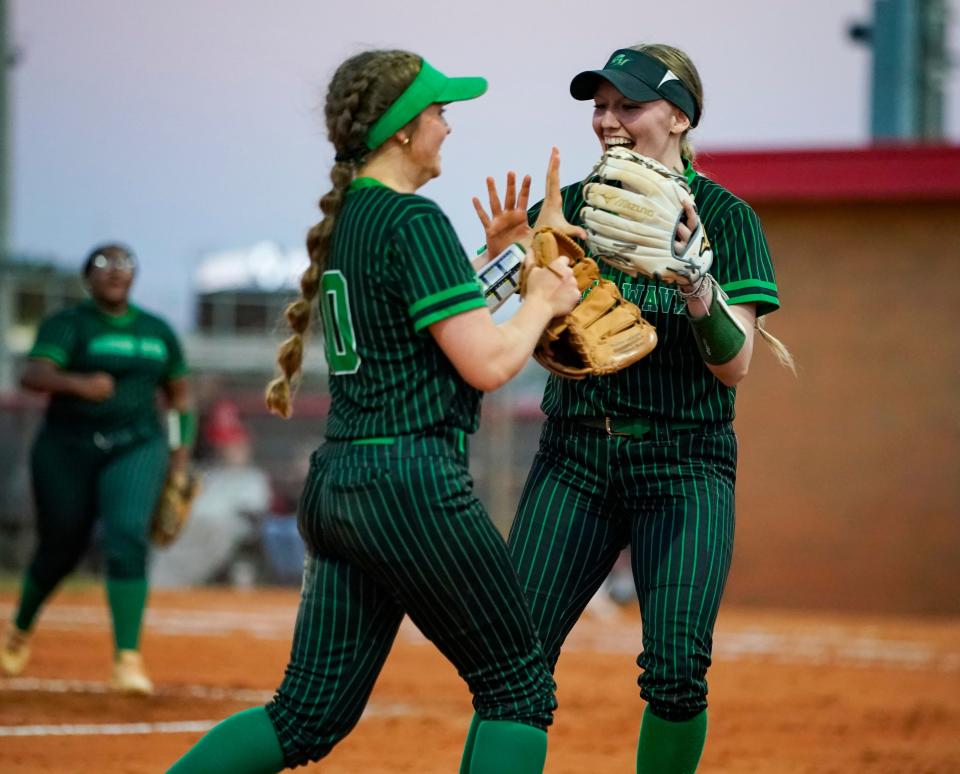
(396, 267)
(672, 382)
(138, 349)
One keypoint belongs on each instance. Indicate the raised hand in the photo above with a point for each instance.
(551, 212)
(507, 221)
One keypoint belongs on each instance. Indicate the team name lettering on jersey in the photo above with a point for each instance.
(126, 345)
(673, 382)
(662, 299)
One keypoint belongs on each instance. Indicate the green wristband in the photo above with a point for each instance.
(181, 428)
(719, 334)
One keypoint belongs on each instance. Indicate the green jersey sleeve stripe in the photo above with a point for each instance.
(755, 298)
(754, 291)
(443, 295)
(450, 311)
(749, 283)
(50, 352)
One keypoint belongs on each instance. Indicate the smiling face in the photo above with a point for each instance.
(652, 129)
(430, 132)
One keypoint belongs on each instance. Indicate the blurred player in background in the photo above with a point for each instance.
(646, 457)
(102, 452)
(388, 513)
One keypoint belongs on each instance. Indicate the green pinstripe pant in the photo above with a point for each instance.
(394, 529)
(75, 482)
(670, 497)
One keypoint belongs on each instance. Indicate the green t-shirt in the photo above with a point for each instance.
(139, 350)
(396, 267)
(672, 382)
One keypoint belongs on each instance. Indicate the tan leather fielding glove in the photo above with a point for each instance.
(603, 333)
(173, 508)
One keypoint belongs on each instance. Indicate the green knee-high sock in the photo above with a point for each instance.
(32, 598)
(506, 747)
(244, 743)
(127, 599)
(670, 748)
(467, 758)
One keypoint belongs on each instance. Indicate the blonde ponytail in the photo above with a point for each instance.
(779, 349)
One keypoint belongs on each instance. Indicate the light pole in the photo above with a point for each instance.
(910, 64)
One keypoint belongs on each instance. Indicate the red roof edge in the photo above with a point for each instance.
(879, 173)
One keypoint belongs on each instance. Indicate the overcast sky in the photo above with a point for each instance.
(189, 126)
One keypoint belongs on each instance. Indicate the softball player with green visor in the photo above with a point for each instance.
(388, 512)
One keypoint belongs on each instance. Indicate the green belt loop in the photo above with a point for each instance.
(459, 439)
(386, 441)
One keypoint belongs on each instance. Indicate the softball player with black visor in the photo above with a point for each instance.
(646, 457)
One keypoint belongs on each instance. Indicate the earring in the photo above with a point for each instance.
(406, 141)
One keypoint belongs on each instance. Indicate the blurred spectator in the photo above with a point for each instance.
(227, 514)
(283, 547)
(620, 585)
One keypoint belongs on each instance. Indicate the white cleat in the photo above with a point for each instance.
(129, 675)
(16, 651)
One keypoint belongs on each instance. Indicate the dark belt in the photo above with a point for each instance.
(107, 440)
(632, 427)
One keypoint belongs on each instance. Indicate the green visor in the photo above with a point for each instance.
(639, 77)
(428, 87)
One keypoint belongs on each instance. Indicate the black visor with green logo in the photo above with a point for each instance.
(638, 77)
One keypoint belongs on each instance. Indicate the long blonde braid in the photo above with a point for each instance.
(360, 91)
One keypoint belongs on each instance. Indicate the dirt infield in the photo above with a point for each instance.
(789, 692)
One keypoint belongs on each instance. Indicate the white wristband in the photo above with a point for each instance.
(500, 278)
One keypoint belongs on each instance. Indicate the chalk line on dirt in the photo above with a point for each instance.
(836, 645)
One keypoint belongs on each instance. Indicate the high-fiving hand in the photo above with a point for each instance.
(507, 222)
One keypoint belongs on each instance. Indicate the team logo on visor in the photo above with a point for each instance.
(667, 76)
